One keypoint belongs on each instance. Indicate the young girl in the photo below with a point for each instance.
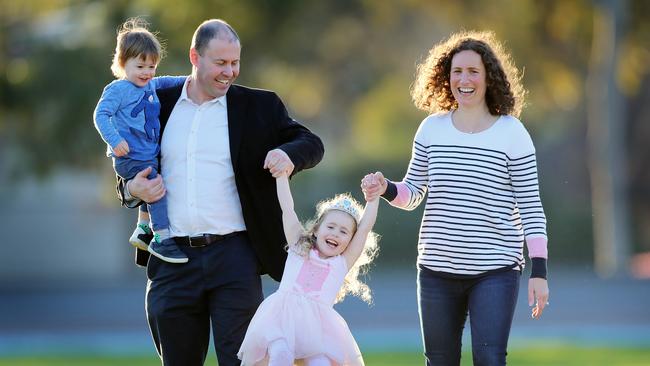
(126, 117)
(298, 321)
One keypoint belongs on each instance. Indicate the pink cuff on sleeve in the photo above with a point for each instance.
(537, 247)
(403, 195)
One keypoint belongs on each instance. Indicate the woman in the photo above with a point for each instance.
(475, 163)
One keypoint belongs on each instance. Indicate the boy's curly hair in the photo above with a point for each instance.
(504, 93)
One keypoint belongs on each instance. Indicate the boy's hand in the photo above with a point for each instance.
(278, 163)
(373, 185)
(121, 149)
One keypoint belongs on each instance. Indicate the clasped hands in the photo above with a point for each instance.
(373, 185)
(278, 163)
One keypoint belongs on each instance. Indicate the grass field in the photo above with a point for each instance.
(556, 356)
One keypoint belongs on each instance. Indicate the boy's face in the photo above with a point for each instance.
(140, 71)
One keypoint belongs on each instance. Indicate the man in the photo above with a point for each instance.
(221, 145)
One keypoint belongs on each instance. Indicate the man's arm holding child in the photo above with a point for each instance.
(138, 189)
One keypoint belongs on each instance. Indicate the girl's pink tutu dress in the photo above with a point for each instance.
(301, 312)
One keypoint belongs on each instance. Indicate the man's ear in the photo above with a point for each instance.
(194, 56)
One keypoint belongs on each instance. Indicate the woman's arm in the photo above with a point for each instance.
(522, 167)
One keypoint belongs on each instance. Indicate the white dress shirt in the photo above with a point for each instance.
(197, 170)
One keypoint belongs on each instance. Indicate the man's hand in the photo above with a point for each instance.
(148, 190)
(278, 163)
(121, 149)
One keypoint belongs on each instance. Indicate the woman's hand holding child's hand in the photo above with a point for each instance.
(373, 185)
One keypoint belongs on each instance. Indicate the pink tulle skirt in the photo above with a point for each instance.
(309, 327)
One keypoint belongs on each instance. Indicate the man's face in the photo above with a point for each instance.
(217, 68)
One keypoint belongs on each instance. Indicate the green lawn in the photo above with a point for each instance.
(556, 356)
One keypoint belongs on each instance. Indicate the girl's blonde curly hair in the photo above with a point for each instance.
(352, 284)
(504, 93)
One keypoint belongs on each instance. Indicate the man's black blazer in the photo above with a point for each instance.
(258, 122)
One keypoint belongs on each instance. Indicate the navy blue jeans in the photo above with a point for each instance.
(444, 304)
(219, 288)
(127, 169)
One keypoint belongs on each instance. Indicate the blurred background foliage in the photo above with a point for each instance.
(344, 67)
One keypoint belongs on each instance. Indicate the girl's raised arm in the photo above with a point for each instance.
(355, 248)
(290, 223)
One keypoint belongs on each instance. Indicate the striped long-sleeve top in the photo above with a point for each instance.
(482, 197)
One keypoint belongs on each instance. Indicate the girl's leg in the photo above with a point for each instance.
(492, 302)
(443, 309)
(279, 353)
(318, 360)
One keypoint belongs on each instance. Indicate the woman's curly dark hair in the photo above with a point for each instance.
(504, 93)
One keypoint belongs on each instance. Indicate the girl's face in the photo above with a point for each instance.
(139, 71)
(334, 233)
(467, 79)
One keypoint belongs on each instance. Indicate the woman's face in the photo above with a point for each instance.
(467, 79)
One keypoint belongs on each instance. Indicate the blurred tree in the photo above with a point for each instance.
(606, 145)
(633, 78)
(638, 151)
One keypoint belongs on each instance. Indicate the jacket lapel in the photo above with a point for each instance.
(236, 101)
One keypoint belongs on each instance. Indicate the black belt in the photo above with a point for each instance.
(203, 239)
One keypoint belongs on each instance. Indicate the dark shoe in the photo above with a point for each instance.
(167, 250)
(141, 237)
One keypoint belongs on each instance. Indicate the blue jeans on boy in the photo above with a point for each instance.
(444, 304)
(127, 169)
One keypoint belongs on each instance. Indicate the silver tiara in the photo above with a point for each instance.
(345, 204)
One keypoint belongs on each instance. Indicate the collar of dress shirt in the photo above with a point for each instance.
(221, 100)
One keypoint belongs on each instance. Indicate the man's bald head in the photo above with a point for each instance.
(211, 29)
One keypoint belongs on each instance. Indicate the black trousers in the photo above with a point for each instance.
(219, 288)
